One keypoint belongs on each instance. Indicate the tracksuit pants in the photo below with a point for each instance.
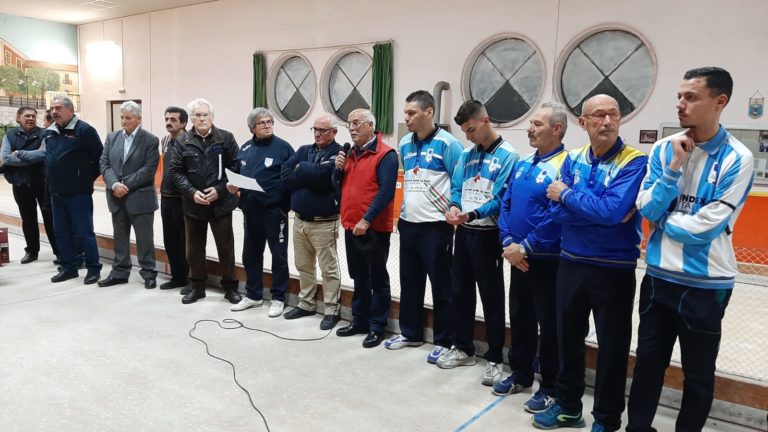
(608, 293)
(477, 262)
(265, 226)
(670, 311)
(425, 250)
(532, 310)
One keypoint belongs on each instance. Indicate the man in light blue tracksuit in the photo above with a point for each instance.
(696, 186)
(429, 155)
(477, 186)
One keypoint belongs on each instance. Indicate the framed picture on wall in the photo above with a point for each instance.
(648, 136)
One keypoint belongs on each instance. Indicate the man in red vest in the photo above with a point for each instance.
(367, 175)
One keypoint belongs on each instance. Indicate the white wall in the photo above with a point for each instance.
(173, 56)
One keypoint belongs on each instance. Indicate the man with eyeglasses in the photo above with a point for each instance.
(198, 170)
(367, 175)
(429, 154)
(315, 205)
(594, 201)
(265, 213)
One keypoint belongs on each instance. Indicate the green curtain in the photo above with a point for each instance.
(259, 80)
(382, 86)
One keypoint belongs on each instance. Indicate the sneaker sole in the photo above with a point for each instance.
(453, 366)
(580, 424)
(402, 345)
(533, 411)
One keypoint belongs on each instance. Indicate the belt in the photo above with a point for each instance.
(317, 218)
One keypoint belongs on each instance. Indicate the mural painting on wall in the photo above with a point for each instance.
(32, 81)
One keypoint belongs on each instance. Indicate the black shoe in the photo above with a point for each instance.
(150, 283)
(233, 296)
(351, 330)
(109, 281)
(28, 258)
(297, 312)
(184, 291)
(372, 340)
(63, 275)
(193, 296)
(91, 278)
(171, 284)
(329, 322)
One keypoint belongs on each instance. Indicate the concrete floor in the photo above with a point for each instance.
(83, 358)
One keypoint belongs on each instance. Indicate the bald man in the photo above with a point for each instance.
(594, 201)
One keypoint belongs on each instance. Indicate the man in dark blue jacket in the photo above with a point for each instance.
(73, 149)
(265, 215)
(23, 158)
(315, 203)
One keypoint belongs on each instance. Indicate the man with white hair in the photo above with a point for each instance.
(128, 165)
(315, 205)
(367, 174)
(265, 213)
(197, 169)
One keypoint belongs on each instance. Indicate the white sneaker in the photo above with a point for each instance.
(455, 358)
(246, 303)
(275, 308)
(492, 374)
(436, 353)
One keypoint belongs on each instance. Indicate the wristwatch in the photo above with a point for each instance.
(523, 251)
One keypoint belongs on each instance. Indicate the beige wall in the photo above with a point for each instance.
(173, 56)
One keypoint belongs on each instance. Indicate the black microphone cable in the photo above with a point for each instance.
(238, 325)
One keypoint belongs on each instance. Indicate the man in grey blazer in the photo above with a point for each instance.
(128, 165)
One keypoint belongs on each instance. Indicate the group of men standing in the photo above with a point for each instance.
(568, 223)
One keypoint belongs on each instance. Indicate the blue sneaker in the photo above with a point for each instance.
(598, 427)
(508, 386)
(399, 341)
(437, 351)
(539, 402)
(555, 417)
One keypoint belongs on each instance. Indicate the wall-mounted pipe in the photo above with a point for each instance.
(437, 93)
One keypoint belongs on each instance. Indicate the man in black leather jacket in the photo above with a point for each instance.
(197, 169)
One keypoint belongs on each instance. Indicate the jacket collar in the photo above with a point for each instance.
(617, 147)
(713, 145)
(415, 138)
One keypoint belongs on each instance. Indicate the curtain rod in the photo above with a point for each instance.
(351, 45)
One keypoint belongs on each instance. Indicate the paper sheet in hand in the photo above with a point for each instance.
(242, 181)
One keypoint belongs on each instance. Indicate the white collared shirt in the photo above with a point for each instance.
(128, 142)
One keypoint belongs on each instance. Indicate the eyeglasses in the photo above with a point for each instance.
(320, 130)
(356, 124)
(600, 115)
(265, 123)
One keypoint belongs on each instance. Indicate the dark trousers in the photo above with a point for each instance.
(28, 197)
(425, 250)
(532, 309)
(669, 311)
(174, 237)
(265, 226)
(197, 237)
(73, 219)
(367, 262)
(143, 227)
(609, 294)
(477, 260)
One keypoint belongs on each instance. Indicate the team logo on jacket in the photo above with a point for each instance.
(541, 177)
(519, 172)
(242, 163)
(494, 164)
(576, 176)
(268, 162)
(712, 177)
(428, 156)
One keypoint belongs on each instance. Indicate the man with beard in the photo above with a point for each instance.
(697, 183)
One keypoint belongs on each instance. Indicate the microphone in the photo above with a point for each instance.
(347, 146)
